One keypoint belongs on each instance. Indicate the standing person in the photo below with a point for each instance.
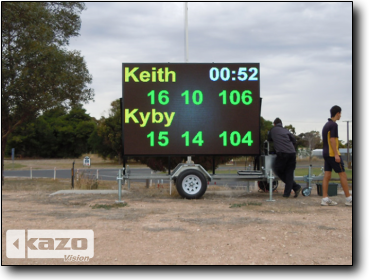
(332, 158)
(285, 162)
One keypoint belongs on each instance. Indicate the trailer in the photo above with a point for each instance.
(190, 109)
(192, 179)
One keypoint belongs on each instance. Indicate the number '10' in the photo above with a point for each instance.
(197, 97)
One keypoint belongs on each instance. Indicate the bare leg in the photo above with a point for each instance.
(325, 183)
(344, 183)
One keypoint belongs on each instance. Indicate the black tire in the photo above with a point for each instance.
(265, 185)
(191, 184)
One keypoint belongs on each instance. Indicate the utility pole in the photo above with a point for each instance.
(186, 47)
(186, 33)
(348, 162)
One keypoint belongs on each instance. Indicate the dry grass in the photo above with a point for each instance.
(86, 181)
(48, 185)
(25, 184)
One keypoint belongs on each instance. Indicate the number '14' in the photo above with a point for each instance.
(198, 139)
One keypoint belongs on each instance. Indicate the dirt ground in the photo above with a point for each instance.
(225, 227)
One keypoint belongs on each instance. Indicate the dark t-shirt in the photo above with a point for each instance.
(330, 130)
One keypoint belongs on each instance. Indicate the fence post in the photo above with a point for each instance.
(97, 174)
(128, 175)
(77, 174)
(31, 172)
(73, 175)
(55, 172)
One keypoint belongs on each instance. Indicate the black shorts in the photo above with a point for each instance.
(331, 164)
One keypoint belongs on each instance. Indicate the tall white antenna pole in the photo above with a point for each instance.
(186, 33)
(186, 48)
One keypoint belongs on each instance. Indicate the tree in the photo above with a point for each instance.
(73, 131)
(57, 133)
(109, 132)
(312, 140)
(265, 127)
(291, 128)
(349, 143)
(37, 71)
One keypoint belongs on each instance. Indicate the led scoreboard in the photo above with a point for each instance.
(190, 108)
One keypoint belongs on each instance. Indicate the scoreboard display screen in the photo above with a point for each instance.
(190, 109)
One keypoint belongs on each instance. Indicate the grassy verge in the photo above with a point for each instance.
(317, 172)
(11, 166)
(108, 206)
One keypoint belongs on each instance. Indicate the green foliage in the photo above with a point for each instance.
(265, 127)
(55, 134)
(37, 71)
(291, 128)
(107, 141)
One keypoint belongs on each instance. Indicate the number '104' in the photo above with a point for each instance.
(235, 139)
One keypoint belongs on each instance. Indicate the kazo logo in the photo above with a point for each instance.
(70, 245)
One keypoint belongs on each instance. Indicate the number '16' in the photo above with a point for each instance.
(163, 98)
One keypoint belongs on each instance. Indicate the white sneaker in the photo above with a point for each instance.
(349, 203)
(329, 202)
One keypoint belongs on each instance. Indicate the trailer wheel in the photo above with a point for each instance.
(306, 191)
(191, 184)
(265, 186)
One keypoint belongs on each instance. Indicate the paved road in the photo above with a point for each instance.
(107, 174)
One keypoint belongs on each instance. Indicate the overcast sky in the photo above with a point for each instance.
(304, 50)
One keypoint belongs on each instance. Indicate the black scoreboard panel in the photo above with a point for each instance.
(191, 108)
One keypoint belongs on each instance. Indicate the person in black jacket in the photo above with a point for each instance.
(285, 162)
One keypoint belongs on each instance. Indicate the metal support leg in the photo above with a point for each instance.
(119, 179)
(271, 178)
(310, 176)
(128, 175)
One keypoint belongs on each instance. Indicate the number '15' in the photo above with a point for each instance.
(162, 138)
